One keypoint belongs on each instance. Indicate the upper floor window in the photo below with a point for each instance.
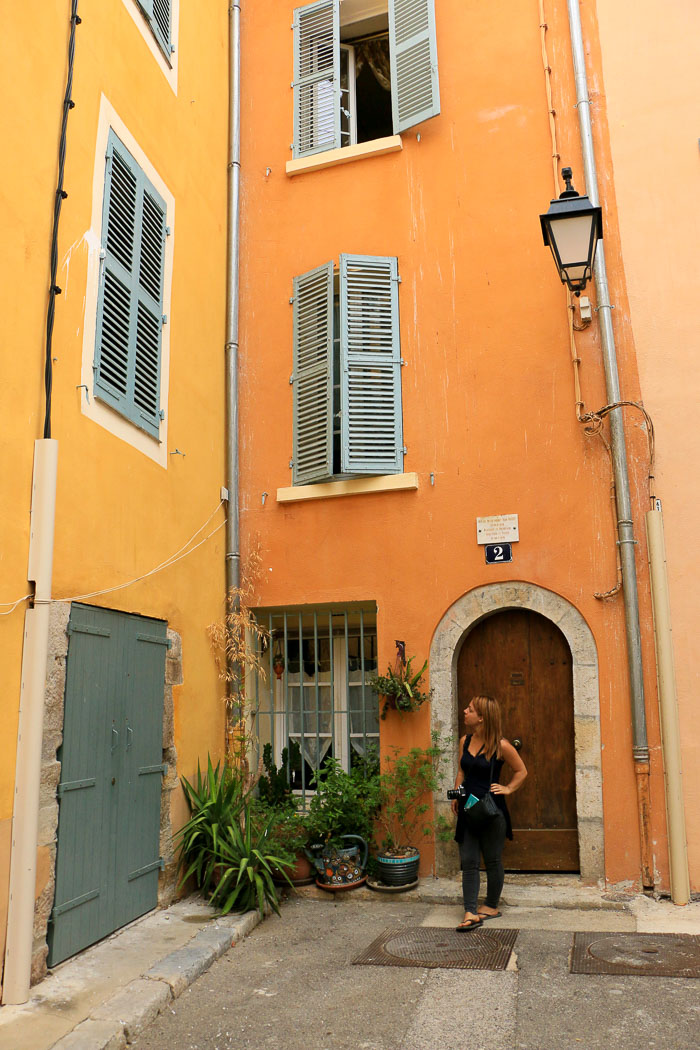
(366, 74)
(347, 371)
(159, 14)
(130, 296)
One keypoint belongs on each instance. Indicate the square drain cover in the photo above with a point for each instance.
(439, 948)
(644, 954)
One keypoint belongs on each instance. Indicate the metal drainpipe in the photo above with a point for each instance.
(25, 816)
(625, 525)
(233, 555)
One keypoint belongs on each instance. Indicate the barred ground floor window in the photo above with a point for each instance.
(316, 701)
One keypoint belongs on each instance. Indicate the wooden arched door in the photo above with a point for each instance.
(523, 660)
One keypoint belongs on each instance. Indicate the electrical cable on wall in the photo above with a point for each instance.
(592, 421)
(61, 195)
(179, 554)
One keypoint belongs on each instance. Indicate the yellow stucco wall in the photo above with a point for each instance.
(652, 91)
(119, 512)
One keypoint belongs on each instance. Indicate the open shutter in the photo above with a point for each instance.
(316, 77)
(370, 356)
(158, 14)
(312, 379)
(130, 312)
(415, 90)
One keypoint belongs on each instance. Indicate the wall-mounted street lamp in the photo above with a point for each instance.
(572, 228)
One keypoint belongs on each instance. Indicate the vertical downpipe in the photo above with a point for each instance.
(233, 554)
(25, 815)
(625, 524)
(668, 709)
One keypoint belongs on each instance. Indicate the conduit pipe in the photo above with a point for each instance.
(233, 554)
(625, 524)
(668, 707)
(25, 815)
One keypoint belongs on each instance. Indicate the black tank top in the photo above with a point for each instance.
(477, 781)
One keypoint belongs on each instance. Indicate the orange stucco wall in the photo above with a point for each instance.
(652, 87)
(488, 404)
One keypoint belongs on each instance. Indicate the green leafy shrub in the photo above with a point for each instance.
(344, 803)
(405, 789)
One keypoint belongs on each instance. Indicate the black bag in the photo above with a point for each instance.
(483, 811)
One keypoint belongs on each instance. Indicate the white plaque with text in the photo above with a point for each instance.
(499, 528)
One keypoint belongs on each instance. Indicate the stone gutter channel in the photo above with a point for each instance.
(103, 998)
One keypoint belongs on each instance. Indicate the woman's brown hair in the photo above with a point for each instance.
(489, 710)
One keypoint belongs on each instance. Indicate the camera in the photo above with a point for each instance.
(460, 792)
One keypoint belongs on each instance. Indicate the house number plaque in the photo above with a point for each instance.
(498, 552)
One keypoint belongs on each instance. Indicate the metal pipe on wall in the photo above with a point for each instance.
(668, 708)
(233, 555)
(25, 814)
(625, 524)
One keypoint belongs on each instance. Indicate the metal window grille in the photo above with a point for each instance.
(316, 701)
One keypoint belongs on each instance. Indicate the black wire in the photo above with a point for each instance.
(61, 195)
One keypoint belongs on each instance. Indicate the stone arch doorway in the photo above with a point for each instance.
(448, 639)
(523, 659)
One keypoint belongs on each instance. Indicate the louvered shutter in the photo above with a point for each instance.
(312, 379)
(158, 14)
(415, 90)
(370, 356)
(316, 77)
(130, 310)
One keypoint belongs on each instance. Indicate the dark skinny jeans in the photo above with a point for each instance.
(489, 843)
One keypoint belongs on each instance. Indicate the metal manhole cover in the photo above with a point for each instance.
(643, 954)
(436, 947)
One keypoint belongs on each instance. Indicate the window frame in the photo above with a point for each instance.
(143, 307)
(415, 86)
(369, 377)
(278, 713)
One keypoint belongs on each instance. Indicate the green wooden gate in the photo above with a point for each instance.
(108, 860)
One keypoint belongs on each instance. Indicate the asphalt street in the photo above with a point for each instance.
(291, 984)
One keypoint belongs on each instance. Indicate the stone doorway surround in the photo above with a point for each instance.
(448, 639)
(51, 774)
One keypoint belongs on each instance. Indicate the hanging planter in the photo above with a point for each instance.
(400, 688)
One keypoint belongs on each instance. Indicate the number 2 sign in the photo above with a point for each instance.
(498, 552)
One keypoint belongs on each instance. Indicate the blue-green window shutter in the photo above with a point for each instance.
(316, 77)
(312, 378)
(159, 17)
(130, 300)
(415, 89)
(370, 361)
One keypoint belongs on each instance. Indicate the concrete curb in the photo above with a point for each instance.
(119, 1020)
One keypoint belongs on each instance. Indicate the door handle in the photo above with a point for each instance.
(115, 740)
(517, 744)
(129, 737)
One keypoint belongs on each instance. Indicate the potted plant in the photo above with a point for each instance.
(405, 789)
(341, 814)
(400, 687)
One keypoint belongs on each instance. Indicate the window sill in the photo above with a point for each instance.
(344, 155)
(349, 487)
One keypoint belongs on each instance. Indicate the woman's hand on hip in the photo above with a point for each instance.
(500, 789)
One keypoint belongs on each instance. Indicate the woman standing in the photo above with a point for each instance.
(483, 754)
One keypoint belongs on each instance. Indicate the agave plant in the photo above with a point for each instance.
(245, 865)
(225, 844)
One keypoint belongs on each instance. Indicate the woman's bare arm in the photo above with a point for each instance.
(512, 759)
